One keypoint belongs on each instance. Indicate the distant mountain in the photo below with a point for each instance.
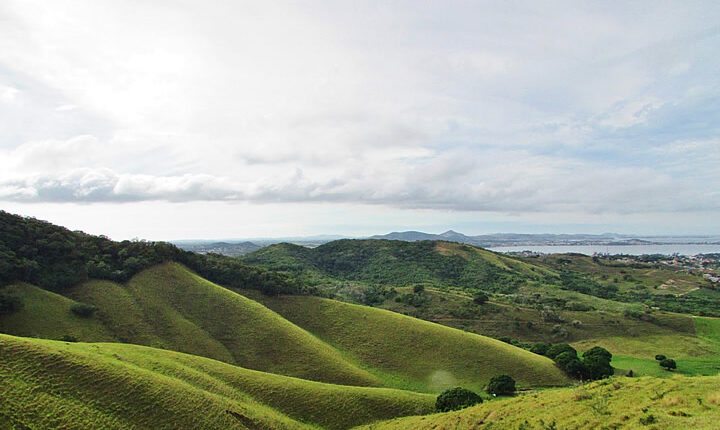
(408, 236)
(510, 239)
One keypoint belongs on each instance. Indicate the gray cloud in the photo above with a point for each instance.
(565, 107)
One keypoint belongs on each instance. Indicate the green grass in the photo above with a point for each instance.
(169, 307)
(690, 366)
(674, 403)
(674, 346)
(708, 328)
(50, 384)
(413, 354)
(46, 314)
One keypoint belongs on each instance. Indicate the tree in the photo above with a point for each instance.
(558, 349)
(417, 289)
(668, 364)
(597, 363)
(455, 399)
(540, 348)
(501, 385)
(571, 364)
(660, 357)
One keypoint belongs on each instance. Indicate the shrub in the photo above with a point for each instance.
(540, 348)
(68, 338)
(455, 399)
(660, 357)
(501, 385)
(650, 419)
(558, 349)
(668, 364)
(83, 310)
(417, 289)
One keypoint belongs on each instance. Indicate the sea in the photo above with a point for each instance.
(664, 249)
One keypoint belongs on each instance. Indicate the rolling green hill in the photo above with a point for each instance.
(675, 403)
(413, 354)
(50, 384)
(169, 307)
(400, 263)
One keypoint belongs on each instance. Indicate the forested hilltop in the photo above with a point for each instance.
(56, 258)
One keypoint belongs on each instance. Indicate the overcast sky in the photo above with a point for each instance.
(226, 119)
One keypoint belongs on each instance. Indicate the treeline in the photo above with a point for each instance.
(55, 258)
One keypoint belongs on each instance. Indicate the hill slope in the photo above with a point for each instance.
(398, 263)
(413, 354)
(676, 403)
(168, 306)
(49, 384)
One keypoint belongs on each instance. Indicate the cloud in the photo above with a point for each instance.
(510, 183)
(8, 94)
(568, 107)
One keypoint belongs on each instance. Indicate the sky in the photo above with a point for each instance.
(170, 120)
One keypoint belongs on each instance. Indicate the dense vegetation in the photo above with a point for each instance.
(397, 263)
(56, 258)
(454, 399)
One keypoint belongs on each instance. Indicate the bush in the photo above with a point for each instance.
(417, 289)
(501, 385)
(668, 364)
(540, 348)
(660, 357)
(455, 399)
(558, 349)
(68, 338)
(83, 310)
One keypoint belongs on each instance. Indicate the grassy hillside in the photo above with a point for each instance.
(50, 384)
(413, 354)
(170, 307)
(676, 403)
(46, 314)
(400, 263)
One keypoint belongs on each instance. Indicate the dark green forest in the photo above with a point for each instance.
(55, 258)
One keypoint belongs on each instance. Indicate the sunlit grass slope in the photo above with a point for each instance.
(695, 354)
(46, 314)
(50, 384)
(409, 353)
(676, 403)
(170, 307)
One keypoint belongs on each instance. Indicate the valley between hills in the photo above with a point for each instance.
(353, 333)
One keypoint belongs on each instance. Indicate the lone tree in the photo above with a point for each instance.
(501, 385)
(597, 363)
(455, 399)
(668, 364)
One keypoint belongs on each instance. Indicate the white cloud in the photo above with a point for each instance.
(8, 93)
(481, 107)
